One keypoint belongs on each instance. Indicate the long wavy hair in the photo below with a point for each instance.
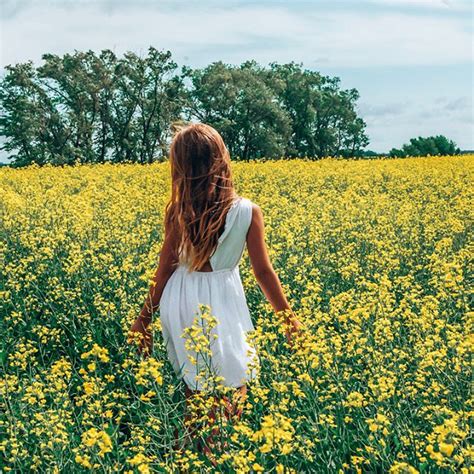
(202, 191)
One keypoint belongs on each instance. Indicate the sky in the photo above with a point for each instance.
(411, 60)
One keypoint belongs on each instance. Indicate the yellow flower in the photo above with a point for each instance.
(402, 468)
(373, 254)
(446, 449)
(95, 437)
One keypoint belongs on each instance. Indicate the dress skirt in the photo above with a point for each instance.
(222, 350)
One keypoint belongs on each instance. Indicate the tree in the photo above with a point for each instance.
(238, 103)
(29, 118)
(92, 108)
(147, 99)
(87, 108)
(323, 117)
(434, 145)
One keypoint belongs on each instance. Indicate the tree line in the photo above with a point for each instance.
(424, 146)
(89, 107)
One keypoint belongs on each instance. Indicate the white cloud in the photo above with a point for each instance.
(362, 35)
(392, 124)
(455, 5)
(374, 111)
(388, 134)
(266, 33)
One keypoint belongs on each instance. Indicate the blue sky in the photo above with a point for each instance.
(411, 60)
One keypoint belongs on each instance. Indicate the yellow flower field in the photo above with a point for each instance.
(374, 256)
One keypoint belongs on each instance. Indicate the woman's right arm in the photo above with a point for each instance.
(168, 261)
(263, 269)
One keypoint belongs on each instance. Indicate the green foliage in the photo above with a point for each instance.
(323, 117)
(240, 103)
(89, 108)
(438, 145)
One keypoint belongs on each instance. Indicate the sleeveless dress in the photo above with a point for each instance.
(232, 357)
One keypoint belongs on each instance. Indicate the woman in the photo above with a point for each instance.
(207, 226)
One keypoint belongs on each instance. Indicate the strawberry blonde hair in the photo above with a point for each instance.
(202, 191)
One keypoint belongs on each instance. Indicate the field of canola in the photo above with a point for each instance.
(374, 257)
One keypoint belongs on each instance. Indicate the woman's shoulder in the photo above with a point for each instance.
(245, 200)
(247, 203)
(248, 209)
(250, 204)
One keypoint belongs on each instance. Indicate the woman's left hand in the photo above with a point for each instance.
(293, 327)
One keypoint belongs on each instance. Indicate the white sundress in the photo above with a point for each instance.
(233, 357)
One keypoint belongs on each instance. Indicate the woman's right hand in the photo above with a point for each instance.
(141, 330)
